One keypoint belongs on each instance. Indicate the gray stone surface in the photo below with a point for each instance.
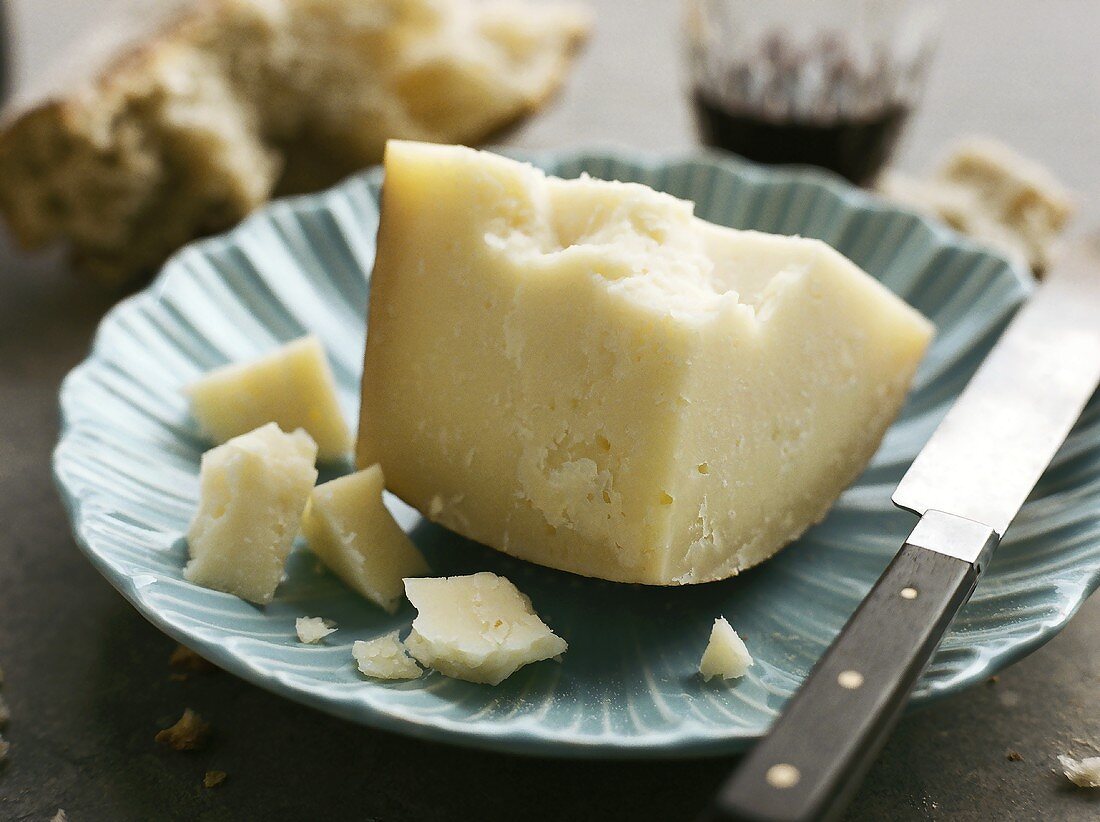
(87, 679)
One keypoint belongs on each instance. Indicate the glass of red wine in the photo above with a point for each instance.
(828, 83)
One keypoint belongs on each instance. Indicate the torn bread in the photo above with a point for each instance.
(185, 116)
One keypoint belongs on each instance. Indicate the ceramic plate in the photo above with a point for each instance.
(128, 459)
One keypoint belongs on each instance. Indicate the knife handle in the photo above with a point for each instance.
(819, 749)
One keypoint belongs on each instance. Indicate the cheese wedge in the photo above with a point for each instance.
(725, 655)
(292, 386)
(583, 374)
(478, 627)
(349, 528)
(252, 493)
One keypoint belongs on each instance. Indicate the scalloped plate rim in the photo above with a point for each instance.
(530, 740)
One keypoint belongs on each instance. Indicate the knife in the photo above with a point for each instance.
(967, 485)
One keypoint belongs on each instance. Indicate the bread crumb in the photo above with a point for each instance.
(1015, 756)
(312, 630)
(184, 659)
(213, 779)
(190, 733)
(1084, 773)
(60, 816)
(5, 713)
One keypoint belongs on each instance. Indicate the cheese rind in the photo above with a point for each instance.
(725, 655)
(479, 628)
(348, 526)
(253, 490)
(384, 658)
(583, 374)
(292, 386)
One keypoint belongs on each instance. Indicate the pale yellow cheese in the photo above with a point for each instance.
(311, 630)
(725, 655)
(479, 628)
(292, 386)
(253, 490)
(349, 528)
(583, 374)
(384, 658)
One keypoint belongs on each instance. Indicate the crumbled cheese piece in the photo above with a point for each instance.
(253, 491)
(213, 778)
(183, 658)
(190, 733)
(292, 386)
(60, 816)
(773, 362)
(726, 655)
(479, 628)
(986, 190)
(312, 630)
(1084, 773)
(385, 658)
(350, 529)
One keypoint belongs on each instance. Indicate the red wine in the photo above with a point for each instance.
(854, 147)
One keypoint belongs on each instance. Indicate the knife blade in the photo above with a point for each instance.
(967, 484)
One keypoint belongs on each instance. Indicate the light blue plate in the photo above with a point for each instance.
(128, 459)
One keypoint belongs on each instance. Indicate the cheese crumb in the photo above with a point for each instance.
(1084, 773)
(479, 628)
(726, 655)
(385, 658)
(312, 630)
(60, 816)
(190, 733)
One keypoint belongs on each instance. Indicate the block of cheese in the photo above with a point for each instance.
(478, 627)
(583, 374)
(725, 655)
(253, 490)
(292, 386)
(384, 658)
(349, 528)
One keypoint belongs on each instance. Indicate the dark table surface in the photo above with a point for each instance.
(87, 679)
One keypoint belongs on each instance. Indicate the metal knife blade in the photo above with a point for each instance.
(1004, 429)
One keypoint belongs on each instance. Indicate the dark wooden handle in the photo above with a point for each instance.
(819, 749)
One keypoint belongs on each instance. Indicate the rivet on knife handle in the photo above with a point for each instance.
(834, 726)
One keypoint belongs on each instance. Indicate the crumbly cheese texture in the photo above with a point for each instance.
(311, 630)
(350, 529)
(292, 386)
(988, 191)
(583, 374)
(179, 118)
(479, 628)
(725, 655)
(385, 658)
(1083, 773)
(253, 490)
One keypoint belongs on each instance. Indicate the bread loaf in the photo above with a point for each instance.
(190, 114)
